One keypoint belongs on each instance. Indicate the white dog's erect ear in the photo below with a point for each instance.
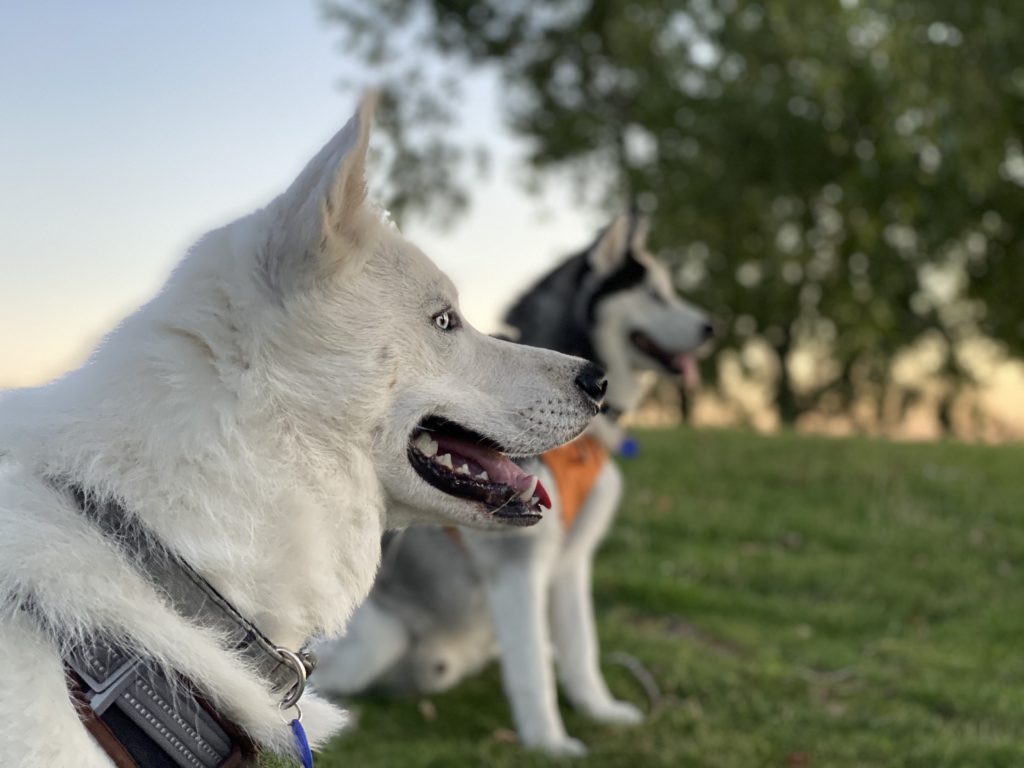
(345, 191)
(610, 249)
(322, 213)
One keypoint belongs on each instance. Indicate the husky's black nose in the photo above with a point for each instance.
(592, 381)
(708, 330)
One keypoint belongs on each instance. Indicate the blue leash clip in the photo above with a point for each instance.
(292, 700)
(302, 744)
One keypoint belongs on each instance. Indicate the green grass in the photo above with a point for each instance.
(800, 601)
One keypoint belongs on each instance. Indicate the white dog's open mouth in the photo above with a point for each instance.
(462, 463)
(680, 363)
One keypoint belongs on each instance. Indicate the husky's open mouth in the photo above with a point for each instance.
(468, 465)
(680, 363)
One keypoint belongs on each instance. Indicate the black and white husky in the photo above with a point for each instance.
(444, 604)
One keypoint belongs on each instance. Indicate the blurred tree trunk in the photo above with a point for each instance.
(785, 397)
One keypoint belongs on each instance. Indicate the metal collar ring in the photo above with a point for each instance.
(295, 692)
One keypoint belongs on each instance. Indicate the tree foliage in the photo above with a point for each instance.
(843, 173)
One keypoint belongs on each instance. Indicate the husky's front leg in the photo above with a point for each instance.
(516, 570)
(519, 603)
(577, 648)
(575, 630)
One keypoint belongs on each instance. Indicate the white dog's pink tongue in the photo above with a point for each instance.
(499, 468)
(528, 486)
(689, 370)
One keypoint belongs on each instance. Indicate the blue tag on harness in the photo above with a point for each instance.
(629, 448)
(302, 744)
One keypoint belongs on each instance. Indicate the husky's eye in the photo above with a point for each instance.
(447, 320)
(655, 294)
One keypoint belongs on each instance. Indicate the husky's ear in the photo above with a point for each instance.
(322, 218)
(611, 247)
(641, 228)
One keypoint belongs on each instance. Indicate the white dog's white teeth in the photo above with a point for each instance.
(527, 494)
(425, 445)
(535, 500)
(445, 460)
(483, 476)
(463, 470)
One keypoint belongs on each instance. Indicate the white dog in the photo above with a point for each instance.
(444, 605)
(228, 454)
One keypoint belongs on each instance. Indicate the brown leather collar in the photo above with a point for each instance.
(125, 753)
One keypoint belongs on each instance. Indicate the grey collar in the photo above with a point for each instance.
(195, 598)
(114, 678)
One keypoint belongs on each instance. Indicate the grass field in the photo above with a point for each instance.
(800, 601)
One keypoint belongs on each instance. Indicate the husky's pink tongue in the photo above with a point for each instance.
(689, 370)
(499, 468)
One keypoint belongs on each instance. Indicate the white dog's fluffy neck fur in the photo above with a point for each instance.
(265, 508)
(285, 526)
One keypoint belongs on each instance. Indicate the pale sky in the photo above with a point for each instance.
(128, 129)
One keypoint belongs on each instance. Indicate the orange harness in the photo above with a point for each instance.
(575, 467)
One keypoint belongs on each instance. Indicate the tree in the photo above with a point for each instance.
(846, 174)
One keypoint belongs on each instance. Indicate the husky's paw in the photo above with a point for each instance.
(616, 713)
(565, 746)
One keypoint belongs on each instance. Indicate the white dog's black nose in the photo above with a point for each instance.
(592, 381)
(708, 331)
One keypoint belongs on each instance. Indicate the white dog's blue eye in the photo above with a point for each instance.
(446, 320)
